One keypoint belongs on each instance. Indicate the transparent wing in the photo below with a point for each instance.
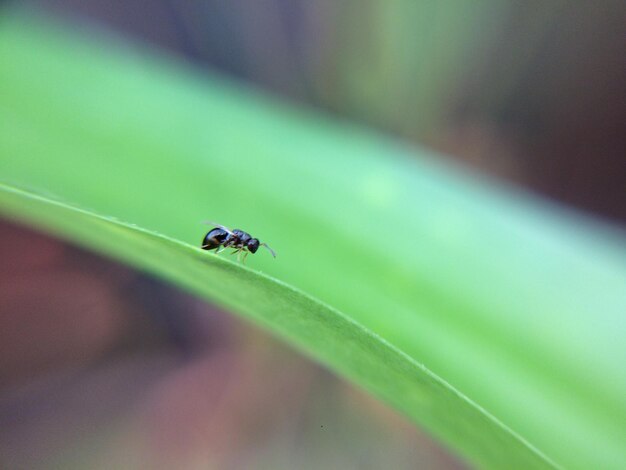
(208, 222)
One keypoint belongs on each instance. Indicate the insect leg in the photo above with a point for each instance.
(238, 252)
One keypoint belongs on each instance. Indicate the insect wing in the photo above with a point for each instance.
(208, 222)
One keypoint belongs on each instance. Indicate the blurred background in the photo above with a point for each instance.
(530, 92)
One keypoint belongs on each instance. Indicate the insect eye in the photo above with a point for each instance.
(253, 245)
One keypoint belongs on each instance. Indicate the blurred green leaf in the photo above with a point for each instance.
(419, 267)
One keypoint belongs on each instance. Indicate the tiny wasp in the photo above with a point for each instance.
(220, 238)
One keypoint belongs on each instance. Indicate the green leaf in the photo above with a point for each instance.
(423, 273)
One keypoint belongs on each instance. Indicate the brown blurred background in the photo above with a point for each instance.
(104, 367)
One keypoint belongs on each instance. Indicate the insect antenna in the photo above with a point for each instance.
(270, 250)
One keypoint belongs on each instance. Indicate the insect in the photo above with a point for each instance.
(220, 238)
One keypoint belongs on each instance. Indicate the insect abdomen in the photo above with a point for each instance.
(214, 239)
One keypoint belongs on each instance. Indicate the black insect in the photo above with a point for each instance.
(220, 238)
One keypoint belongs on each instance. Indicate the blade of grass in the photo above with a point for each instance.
(309, 325)
(519, 307)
